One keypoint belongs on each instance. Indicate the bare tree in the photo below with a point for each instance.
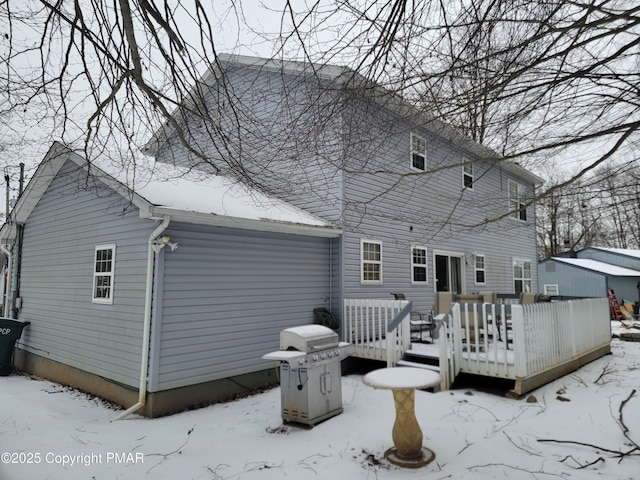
(541, 82)
(563, 75)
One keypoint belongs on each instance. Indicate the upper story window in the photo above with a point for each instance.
(522, 276)
(481, 272)
(467, 176)
(418, 152)
(103, 270)
(517, 201)
(419, 265)
(371, 262)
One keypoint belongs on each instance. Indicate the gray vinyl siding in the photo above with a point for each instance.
(57, 275)
(612, 258)
(281, 131)
(357, 172)
(625, 288)
(402, 208)
(572, 281)
(226, 296)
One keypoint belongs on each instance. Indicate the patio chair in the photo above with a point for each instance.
(418, 321)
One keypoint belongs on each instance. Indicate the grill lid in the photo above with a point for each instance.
(308, 338)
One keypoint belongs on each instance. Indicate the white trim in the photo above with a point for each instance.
(418, 152)
(551, 289)
(424, 265)
(513, 262)
(468, 164)
(521, 191)
(449, 253)
(374, 262)
(476, 269)
(155, 213)
(110, 274)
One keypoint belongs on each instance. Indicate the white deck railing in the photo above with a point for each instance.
(519, 341)
(366, 323)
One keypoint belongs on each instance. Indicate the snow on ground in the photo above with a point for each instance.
(45, 427)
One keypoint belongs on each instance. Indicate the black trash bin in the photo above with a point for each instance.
(10, 331)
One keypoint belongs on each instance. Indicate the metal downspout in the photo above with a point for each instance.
(7, 286)
(146, 333)
(15, 307)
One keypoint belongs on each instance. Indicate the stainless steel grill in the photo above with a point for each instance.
(310, 373)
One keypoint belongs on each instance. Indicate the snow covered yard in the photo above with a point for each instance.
(65, 434)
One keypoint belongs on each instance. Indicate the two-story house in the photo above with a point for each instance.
(162, 289)
(422, 207)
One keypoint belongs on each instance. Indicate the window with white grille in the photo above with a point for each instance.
(103, 270)
(418, 152)
(418, 265)
(522, 276)
(371, 262)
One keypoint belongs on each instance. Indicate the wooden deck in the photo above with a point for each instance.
(531, 344)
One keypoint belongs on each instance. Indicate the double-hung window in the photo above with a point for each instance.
(371, 262)
(103, 270)
(418, 265)
(467, 176)
(418, 152)
(517, 201)
(521, 276)
(481, 273)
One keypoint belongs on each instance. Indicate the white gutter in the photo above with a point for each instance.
(7, 287)
(146, 333)
(262, 225)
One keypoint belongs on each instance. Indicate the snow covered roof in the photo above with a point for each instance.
(599, 267)
(621, 251)
(160, 190)
(179, 189)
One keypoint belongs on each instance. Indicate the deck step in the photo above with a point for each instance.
(407, 363)
(423, 354)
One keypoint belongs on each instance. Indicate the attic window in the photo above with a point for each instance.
(418, 152)
(104, 267)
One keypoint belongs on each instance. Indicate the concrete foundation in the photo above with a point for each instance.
(157, 403)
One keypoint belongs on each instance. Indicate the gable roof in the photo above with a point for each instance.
(620, 251)
(597, 267)
(349, 78)
(158, 190)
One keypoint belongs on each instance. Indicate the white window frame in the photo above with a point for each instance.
(369, 261)
(523, 279)
(483, 269)
(551, 289)
(415, 265)
(467, 172)
(415, 138)
(106, 300)
(518, 202)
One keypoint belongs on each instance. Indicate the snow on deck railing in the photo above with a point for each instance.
(366, 324)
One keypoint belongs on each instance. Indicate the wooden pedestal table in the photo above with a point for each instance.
(407, 436)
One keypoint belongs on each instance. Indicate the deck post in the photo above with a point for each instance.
(519, 340)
